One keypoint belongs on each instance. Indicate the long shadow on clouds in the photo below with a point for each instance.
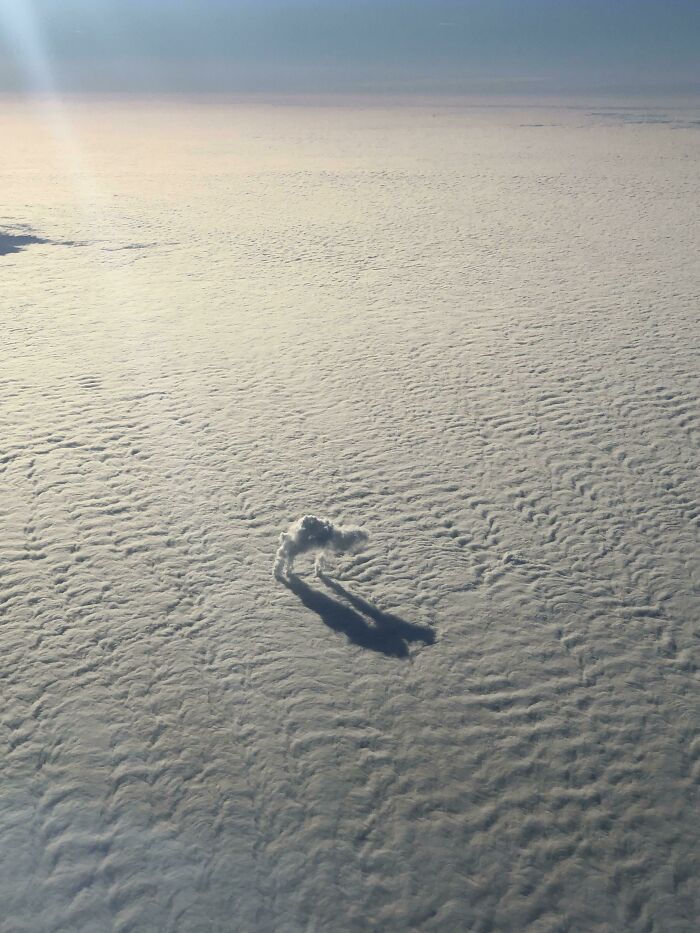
(386, 633)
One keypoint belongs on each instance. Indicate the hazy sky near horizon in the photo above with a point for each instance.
(438, 46)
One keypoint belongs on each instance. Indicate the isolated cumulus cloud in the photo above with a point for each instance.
(310, 533)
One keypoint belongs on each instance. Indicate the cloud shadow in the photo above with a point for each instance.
(15, 242)
(385, 633)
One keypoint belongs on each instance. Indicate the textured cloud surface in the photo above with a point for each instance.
(394, 313)
(310, 533)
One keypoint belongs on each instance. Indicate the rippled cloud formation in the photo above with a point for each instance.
(310, 533)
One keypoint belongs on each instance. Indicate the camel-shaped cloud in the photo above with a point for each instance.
(310, 533)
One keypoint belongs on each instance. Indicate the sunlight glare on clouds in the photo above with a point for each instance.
(21, 28)
(24, 35)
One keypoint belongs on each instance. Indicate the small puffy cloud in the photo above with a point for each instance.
(310, 533)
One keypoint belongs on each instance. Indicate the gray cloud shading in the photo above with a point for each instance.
(310, 533)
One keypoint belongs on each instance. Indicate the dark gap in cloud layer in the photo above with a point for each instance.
(15, 242)
(18, 238)
(637, 116)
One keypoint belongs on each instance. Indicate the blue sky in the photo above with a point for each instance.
(356, 45)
